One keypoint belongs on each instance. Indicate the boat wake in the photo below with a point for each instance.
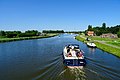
(74, 74)
(78, 73)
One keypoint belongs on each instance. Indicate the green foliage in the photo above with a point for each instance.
(104, 26)
(31, 32)
(114, 51)
(90, 28)
(76, 32)
(25, 38)
(98, 30)
(52, 31)
(118, 34)
(27, 34)
(101, 30)
(12, 34)
(2, 33)
(15, 34)
(107, 48)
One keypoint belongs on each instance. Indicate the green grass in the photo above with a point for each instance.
(25, 38)
(80, 38)
(110, 49)
(114, 43)
(102, 39)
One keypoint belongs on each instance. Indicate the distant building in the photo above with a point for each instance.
(90, 33)
(109, 35)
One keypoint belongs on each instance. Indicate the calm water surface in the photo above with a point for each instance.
(41, 59)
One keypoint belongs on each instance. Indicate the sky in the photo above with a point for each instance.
(68, 15)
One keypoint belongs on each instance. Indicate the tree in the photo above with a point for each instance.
(118, 34)
(52, 31)
(90, 28)
(2, 33)
(31, 33)
(101, 30)
(104, 26)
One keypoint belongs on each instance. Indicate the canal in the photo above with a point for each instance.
(41, 59)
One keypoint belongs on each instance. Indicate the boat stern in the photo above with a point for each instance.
(74, 62)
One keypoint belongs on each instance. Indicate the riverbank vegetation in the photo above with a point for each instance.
(7, 36)
(53, 31)
(108, 44)
(99, 30)
(103, 43)
(111, 49)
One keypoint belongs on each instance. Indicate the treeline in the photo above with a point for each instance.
(52, 31)
(28, 33)
(99, 30)
(14, 34)
(61, 31)
(75, 32)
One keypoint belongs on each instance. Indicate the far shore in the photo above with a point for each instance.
(103, 43)
(2, 40)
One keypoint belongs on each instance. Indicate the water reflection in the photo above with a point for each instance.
(91, 50)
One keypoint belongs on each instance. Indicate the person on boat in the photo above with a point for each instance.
(79, 54)
(68, 53)
(73, 52)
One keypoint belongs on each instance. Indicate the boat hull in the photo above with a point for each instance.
(74, 62)
(92, 46)
(73, 56)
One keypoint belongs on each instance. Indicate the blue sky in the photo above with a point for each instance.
(67, 15)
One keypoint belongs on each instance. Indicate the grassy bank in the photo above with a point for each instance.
(111, 49)
(80, 38)
(26, 38)
(114, 43)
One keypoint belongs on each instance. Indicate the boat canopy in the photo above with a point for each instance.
(76, 46)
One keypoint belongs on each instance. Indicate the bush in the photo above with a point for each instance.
(118, 34)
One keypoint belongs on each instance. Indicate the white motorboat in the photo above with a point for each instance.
(73, 56)
(91, 44)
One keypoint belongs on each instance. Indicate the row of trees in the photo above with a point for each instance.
(104, 29)
(52, 31)
(61, 31)
(13, 34)
(76, 32)
(29, 33)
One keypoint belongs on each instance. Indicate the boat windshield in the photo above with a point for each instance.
(73, 45)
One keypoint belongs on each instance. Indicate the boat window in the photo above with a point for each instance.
(68, 50)
(76, 47)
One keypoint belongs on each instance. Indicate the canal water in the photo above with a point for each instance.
(41, 59)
